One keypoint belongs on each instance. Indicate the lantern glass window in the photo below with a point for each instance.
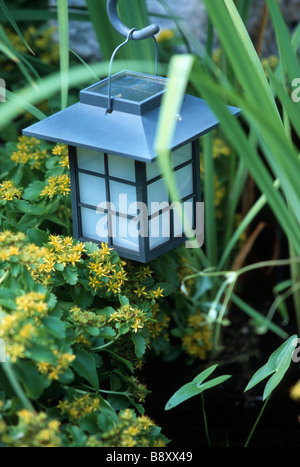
(125, 233)
(94, 225)
(120, 165)
(91, 189)
(123, 197)
(92, 161)
(159, 230)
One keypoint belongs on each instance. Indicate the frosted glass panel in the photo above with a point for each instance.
(121, 167)
(157, 195)
(123, 198)
(184, 180)
(152, 170)
(159, 230)
(91, 189)
(182, 155)
(90, 160)
(187, 214)
(94, 225)
(125, 233)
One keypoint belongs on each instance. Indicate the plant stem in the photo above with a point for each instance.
(205, 421)
(256, 422)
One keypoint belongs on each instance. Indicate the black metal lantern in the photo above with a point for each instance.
(118, 193)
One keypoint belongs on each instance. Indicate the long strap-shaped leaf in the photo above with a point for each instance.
(258, 97)
(63, 23)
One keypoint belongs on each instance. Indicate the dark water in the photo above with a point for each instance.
(230, 412)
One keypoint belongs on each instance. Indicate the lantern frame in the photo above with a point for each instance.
(144, 252)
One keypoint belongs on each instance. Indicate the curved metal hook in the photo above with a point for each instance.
(144, 33)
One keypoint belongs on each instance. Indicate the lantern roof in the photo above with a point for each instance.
(130, 129)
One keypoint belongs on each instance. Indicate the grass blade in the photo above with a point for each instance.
(63, 26)
(10, 18)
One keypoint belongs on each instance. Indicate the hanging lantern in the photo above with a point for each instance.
(117, 190)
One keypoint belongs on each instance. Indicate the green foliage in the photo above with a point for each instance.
(76, 320)
(195, 387)
(278, 364)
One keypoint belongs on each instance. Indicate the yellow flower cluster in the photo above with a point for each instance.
(80, 406)
(9, 191)
(42, 41)
(158, 324)
(32, 305)
(220, 148)
(63, 361)
(40, 261)
(66, 250)
(142, 292)
(12, 245)
(33, 430)
(86, 318)
(59, 250)
(16, 329)
(133, 317)
(19, 328)
(198, 342)
(62, 151)
(139, 389)
(104, 272)
(131, 431)
(58, 185)
(29, 152)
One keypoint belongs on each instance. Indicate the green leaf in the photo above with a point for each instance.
(139, 344)
(85, 367)
(70, 275)
(37, 236)
(123, 300)
(278, 363)
(40, 353)
(7, 298)
(54, 326)
(195, 387)
(33, 191)
(204, 374)
(33, 382)
(63, 26)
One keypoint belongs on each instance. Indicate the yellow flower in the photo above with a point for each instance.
(27, 331)
(56, 186)
(295, 391)
(165, 35)
(43, 367)
(10, 191)
(26, 416)
(29, 152)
